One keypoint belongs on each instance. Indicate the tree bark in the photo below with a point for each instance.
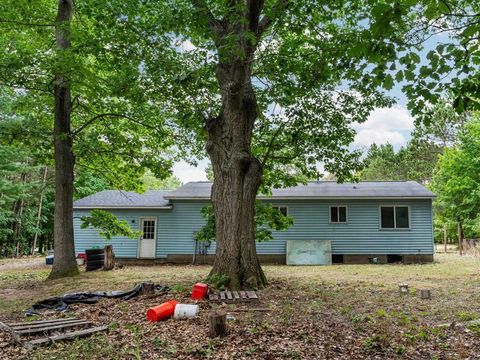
(64, 264)
(445, 236)
(460, 237)
(39, 213)
(237, 172)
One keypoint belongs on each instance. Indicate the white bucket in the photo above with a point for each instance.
(80, 261)
(185, 311)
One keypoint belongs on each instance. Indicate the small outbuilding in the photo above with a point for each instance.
(381, 222)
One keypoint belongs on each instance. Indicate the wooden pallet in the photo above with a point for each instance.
(233, 296)
(22, 332)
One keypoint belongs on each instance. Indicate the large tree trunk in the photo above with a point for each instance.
(64, 263)
(237, 177)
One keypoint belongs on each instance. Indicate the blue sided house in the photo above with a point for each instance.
(362, 222)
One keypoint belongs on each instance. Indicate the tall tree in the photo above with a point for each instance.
(64, 264)
(270, 89)
(457, 180)
(103, 122)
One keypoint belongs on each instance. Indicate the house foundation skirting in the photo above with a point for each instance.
(280, 259)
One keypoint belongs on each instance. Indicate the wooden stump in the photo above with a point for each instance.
(109, 262)
(425, 294)
(403, 288)
(217, 324)
(148, 287)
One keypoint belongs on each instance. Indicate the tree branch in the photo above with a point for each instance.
(214, 24)
(92, 120)
(279, 7)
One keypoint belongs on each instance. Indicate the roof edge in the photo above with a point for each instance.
(91, 207)
(264, 197)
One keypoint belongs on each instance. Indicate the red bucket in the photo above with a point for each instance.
(161, 312)
(199, 291)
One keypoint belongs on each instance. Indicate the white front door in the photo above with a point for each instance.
(148, 242)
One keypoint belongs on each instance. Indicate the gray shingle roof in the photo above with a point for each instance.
(321, 189)
(123, 199)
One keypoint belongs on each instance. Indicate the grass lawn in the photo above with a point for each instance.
(341, 311)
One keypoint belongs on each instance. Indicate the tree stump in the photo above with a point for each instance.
(148, 287)
(109, 262)
(425, 294)
(403, 288)
(217, 324)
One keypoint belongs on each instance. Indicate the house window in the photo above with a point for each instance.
(338, 214)
(148, 229)
(394, 217)
(282, 209)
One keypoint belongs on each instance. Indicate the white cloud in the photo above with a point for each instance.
(396, 117)
(369, 136)
(188, 46)
(186, 172)
(385, 125)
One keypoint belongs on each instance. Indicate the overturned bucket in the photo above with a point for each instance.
(162, 311)
(185, 311)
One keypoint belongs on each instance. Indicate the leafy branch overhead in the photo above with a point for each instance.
(108, 225)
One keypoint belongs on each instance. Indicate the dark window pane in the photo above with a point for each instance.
(387, 221)
(283, 210)
(401, 213)
(334, 214)
(342, 214)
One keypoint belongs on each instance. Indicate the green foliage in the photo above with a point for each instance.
(416, 162)
(150, 182)
(457, 180)
(267, 219)
(108, 225)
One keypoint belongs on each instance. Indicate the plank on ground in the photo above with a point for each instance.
(65, 336)
(229, 295)
(50, 328)
(34, 326)
(39, 322)
(252, 295)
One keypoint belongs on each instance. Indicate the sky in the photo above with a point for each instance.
(384, 125)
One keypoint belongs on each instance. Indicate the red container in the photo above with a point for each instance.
(162, 311)
(199, 291)
(82, 256)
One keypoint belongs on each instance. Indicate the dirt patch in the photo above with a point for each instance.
(334, 312)
(20, 264)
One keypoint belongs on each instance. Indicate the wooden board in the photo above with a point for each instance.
(40, 325)
(27, 323)
(233, 296)
(65, 336)
(19, 330)
(50, 327)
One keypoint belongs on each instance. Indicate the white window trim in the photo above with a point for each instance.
(330, 214)
(140, 228)
(394, 218)
(281, 206)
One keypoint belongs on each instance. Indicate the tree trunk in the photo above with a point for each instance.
(109, 262)
(237, 178)
(39, 213)
(445, 236)
(64, 264)
(460, 237)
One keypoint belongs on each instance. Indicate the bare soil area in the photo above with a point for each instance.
(328, 312)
